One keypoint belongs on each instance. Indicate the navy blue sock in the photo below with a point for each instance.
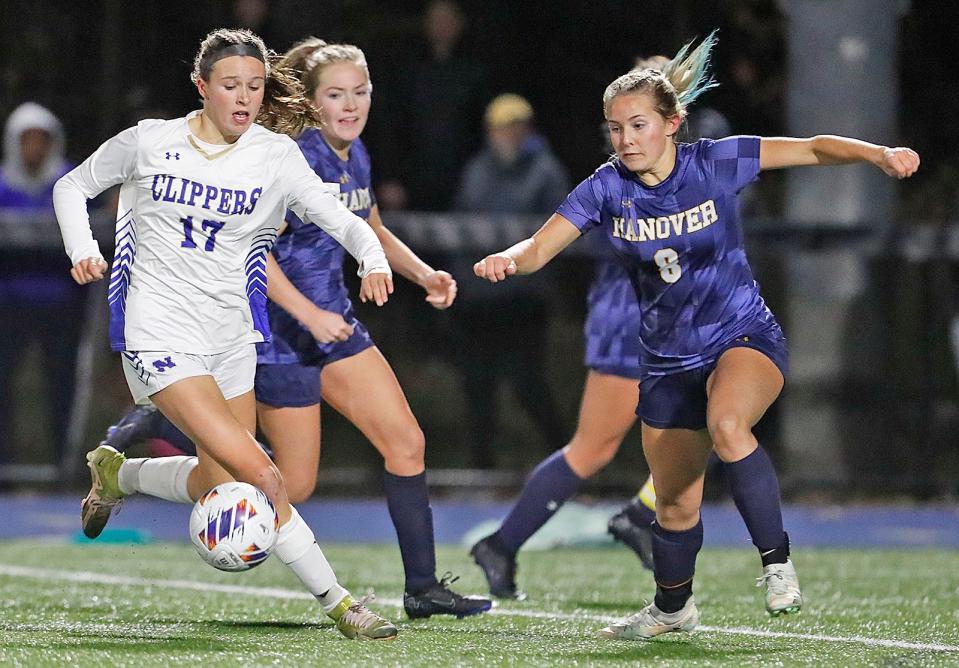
(409, 502)
(548, 487)
(755, 489)
(674, 556)
(169, 433)
(639, 514)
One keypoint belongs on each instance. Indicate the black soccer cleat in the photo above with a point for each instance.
(138, 425)
(638, 538)
(437, 599)
(499, 567)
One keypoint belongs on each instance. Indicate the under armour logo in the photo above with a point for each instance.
(627, 203)
(345, 178)
(163, 365)
(175, 156)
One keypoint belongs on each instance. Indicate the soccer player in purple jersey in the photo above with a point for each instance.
(712, 356)
(318, 342)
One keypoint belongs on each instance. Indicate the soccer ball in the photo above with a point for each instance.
(233, 526)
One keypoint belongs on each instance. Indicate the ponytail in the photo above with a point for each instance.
(286, 108)
(674, 85)
(688, 70)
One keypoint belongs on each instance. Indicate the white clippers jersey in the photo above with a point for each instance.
(194, 224)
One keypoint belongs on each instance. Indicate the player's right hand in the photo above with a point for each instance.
(376, 287)
(327, 326)
(89, 270)
(495, 268)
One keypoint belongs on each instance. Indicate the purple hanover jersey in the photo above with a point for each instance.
(682, 245)
(612, 322)
(313, 260)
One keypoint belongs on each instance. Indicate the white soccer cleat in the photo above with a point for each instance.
(782, 589)
(651, 621)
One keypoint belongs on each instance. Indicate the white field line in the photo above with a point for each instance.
(86, 577)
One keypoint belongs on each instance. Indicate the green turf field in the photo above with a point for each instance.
(158, 605)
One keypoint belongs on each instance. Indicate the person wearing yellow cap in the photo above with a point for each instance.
(514, 173)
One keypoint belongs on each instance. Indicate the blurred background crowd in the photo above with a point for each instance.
(485, 114)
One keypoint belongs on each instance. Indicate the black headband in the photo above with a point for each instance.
(233, 50)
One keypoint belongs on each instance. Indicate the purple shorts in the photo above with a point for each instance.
(678, 400)
(297, 385)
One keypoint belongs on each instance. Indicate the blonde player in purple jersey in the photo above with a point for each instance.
(200, 201)
(321, 351)
(713, 358)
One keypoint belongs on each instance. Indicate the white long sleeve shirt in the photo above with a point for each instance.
(194, 224)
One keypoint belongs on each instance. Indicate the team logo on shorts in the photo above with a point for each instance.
(163, 365)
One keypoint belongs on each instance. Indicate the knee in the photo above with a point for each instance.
(730, 435)
(676, 515)
(405, 450)
(300, 488)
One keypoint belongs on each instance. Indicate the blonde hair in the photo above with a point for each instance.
(674, 84)
(308, 57)
(285, 107)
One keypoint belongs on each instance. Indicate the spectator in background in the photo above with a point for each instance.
(434, 115)
(516, 173)
(41, 303)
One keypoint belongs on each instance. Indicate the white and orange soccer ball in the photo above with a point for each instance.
(233, 526)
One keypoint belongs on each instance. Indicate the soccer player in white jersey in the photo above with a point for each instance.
(200, 202)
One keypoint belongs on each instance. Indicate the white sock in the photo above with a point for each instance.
(163, 477)
(296, 547)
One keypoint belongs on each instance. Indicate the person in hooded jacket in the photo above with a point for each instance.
(41, 305)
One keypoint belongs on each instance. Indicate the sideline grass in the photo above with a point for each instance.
(47, 619)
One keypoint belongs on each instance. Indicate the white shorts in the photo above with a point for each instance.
(148, 372)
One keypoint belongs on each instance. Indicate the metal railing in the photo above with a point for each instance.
(911, 249)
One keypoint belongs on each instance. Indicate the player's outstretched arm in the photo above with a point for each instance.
(779, 152)
(531, 254)
(439, 285)
(325, 326)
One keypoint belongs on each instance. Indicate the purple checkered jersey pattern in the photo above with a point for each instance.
(312, 259)
(682, 244)
(612, 322)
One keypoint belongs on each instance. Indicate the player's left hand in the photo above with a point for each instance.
(440, 289)
(376, 287)
(900, 162)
